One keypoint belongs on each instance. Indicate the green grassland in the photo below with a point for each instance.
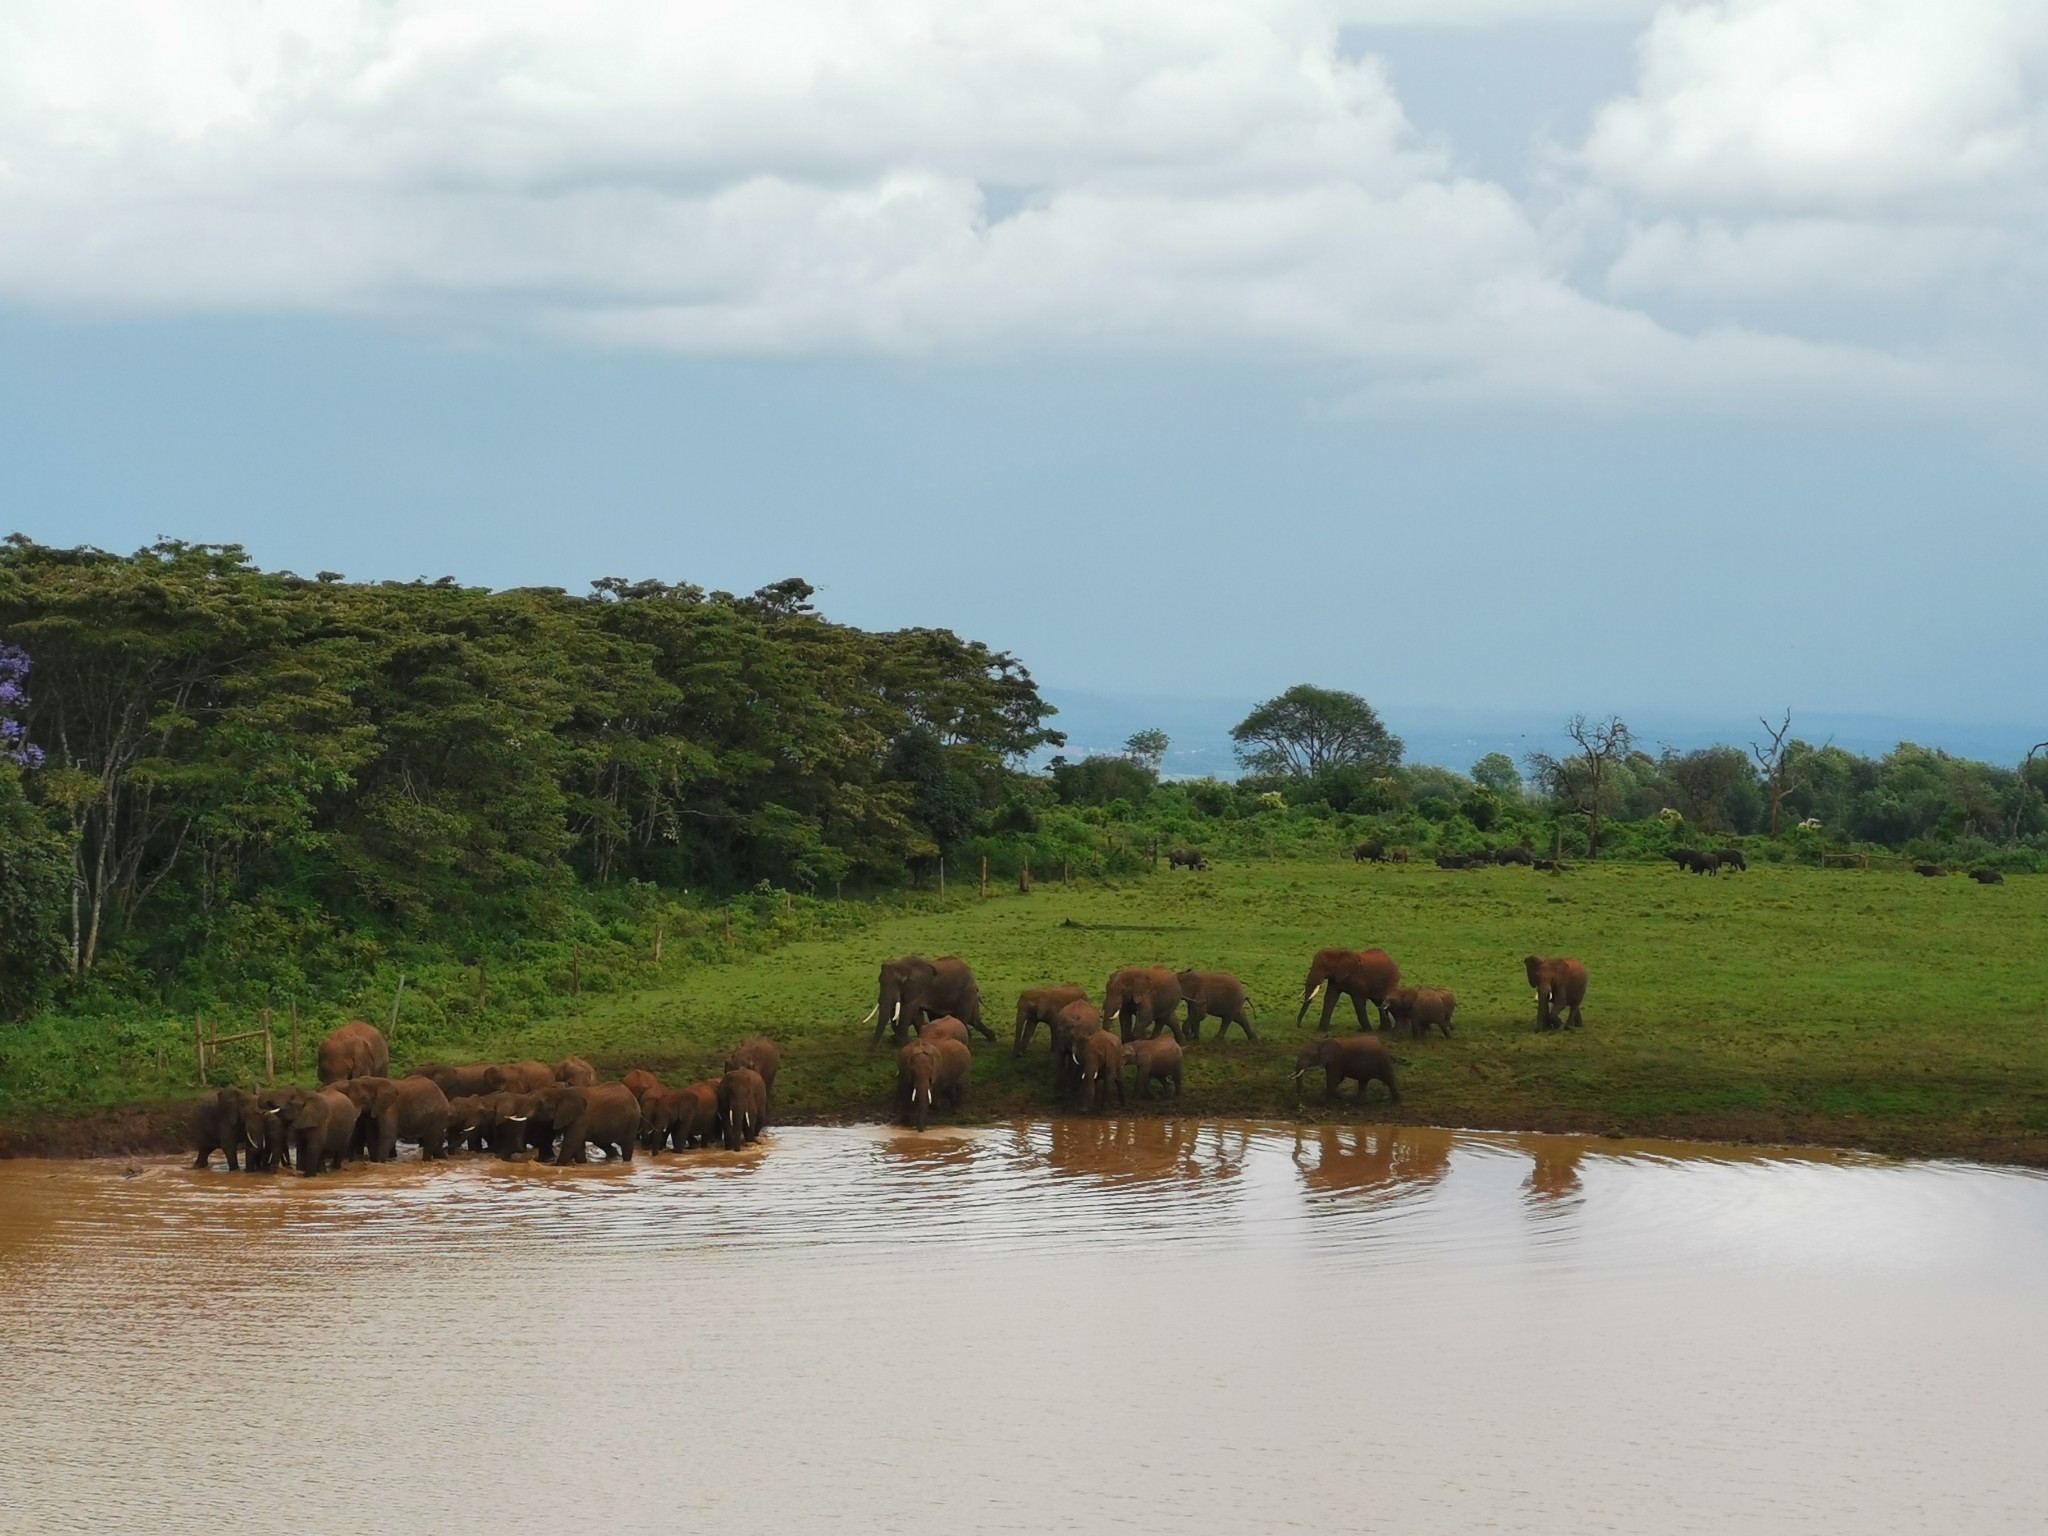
(1848, 1007)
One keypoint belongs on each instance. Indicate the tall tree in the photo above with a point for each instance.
(1581, 778)
(1147, 748)
(1308, 729)
(1773, 762)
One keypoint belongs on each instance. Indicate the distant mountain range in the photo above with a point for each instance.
(1457, 738)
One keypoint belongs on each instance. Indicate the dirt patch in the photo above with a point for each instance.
(124, 1130)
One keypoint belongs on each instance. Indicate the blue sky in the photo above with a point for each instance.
(1583, 354)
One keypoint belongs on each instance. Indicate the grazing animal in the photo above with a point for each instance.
(1692, 861)
(1420, 1007)
(765, 1057)
(1932, 871)
(1987, 877)
(1154, 1060)
(948, 1028)
(931, 1071)
(1101, 1061)
(1456, 861)
(1041, 1005)
(604, 1114)
(1075, 1023)
(322, 1127)
(1520, 856)
(1216, 993)
(462, 1082)
(914, 989)
(1399, 855)
(641, 1082)
(1560, 987)
(1142, 997)
(1371, 851)
(575, 1071)
(1554, 866)
(1361, 1058)
(356, 1049)
(1189, 858)
(526, 1076)
(1731, 858)
(742, 1107)
(1364, 976)
(222, 1122)
(269, 1132)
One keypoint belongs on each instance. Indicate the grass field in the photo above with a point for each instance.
(1847, 1007)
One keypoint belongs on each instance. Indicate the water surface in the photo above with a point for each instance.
(1143, 1325)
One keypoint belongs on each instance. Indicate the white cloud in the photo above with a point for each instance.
(940, 175)
(1810, 260)
(1830, 104)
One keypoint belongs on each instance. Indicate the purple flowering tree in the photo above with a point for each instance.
(14, 743)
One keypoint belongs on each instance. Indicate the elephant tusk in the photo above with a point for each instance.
(871, 1014)
(1317, 993)
(894, 1013)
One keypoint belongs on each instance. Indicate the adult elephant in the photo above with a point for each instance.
(321, 1129)
(606, 1114)
(1363, 975)
(1372, 851)
(399, 1109)
(356, 1049)
(470, 1081)
(929, 1070)
(679, 1117)
(222, 1122)
(763, 1056)
(1142, 997)
(1216, 994)
(1099, 1059)
(269, 1132)
(575, 1071)
(526, 1076)
(1560, 988)
(1041, 1005)
(914, 989)
(742, 1107)
(1361, 1058)
(1075, 1023)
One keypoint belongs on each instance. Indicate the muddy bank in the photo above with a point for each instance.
(133, 1130)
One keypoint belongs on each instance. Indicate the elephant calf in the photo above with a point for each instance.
(322, 1127)
(1154, 1060)
(680, 1117)
(1041, 1005)
(1216, 994)
(1560, 990)
(1362, 1058)
(1099, 1061)
(1420, 1007)
(1075, 1023)
(269, 1132)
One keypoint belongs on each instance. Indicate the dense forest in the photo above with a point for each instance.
(221, 782)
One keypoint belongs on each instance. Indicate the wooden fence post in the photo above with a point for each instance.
(392, 1033)
(575, 969)
(728, 927)
(483, 986)
(199, 1044)
(1065, 877)
(295, 1037)
(984, 877)
(1024, 875)
(269, 1051)
(942, 877)
(660, 929)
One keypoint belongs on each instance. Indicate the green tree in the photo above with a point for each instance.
(1147, 748)
(1496, 772)
(1308, 729)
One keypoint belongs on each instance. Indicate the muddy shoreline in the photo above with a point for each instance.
(137, 1130)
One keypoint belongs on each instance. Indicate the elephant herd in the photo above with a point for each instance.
(554, 1113)
(933, 1006)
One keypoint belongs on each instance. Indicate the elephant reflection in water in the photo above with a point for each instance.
(1554, 1171)
(1118, 1150)
(1379, 1161)
(944, 1153)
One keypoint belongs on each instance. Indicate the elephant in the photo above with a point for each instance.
(931, 1070)
(641, 1082)
(765, 1057)
(1075, 1023)
(1099, 1060)
(1041, 1005)
(1153, 1060)
(354, 1050)
(1372, 851)
(606, 1114)
(1461, 861)
(509, 1123)
(1364, 976)
(1361, 1058)
(526, 1076)
(1731, 858)
(1553, 866)
(742, 1107)
(1559, 984)
(1932, 871)
(402, 1109)
(269, 1133)
(362, 1092)
(1140, 995)
(465, 1123)
(321, 1128)
(1420, 1007)
(679, 1117)
(914, 988)
(1190, 858)
(1693, 861)
(471, 1081)
(1987, 877)
(1520, 856)
(221, 1122)
(575, 1071)
(1216, 993)
(948, 1028)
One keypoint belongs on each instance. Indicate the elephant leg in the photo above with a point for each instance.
(974, 1021)
(1574, 1021)
(1333, 1079)
(1329, 1008)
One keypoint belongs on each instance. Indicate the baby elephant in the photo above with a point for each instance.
(1420, 1007)
(1362, 1058)
(1100, 1058)
(1155, 1061)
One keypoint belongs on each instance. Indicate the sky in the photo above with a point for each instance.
(1511, 356)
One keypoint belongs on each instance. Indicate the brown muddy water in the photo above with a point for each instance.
(1147, 1325)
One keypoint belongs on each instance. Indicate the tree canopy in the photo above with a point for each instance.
(1308, 730)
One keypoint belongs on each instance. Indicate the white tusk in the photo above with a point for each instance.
(517, 1119)
(871, 1014)
(894, 1013)
(1317, 993)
